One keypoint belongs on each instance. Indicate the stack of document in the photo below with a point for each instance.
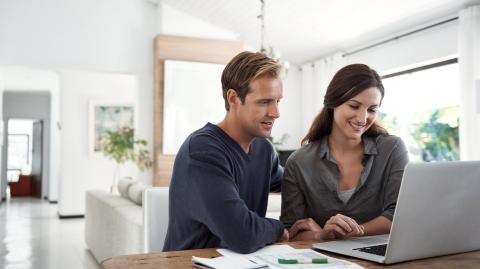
(227, 262)
(271, 257)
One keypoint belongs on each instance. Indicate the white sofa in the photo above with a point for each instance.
(114, 225)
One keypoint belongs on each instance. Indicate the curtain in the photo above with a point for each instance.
(469, 66)
(315, 78)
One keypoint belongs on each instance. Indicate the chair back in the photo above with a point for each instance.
(155, 218)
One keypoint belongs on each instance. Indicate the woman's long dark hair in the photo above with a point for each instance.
(347, 83)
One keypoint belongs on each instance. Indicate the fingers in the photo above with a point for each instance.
(342, 226)
(354, 226)
(296, 227)
(304, 225)
(342, 222)
(284, 238)
(305, 236)
(286, 235)
(338, 226)
(362, 230)
(334, 228)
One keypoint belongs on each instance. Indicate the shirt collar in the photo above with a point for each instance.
(369, 147)
(324, 150)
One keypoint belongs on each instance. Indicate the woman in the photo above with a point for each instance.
(344, 180)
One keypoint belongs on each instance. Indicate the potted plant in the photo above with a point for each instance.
(278, 142)
(121, 147)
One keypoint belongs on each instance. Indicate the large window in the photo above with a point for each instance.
(422, 107)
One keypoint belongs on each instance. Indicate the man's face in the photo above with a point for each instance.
(260, 108)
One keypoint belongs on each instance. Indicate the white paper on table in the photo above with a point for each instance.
(227, 262)
(270, 255)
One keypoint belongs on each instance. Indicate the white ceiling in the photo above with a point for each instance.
(303, 30)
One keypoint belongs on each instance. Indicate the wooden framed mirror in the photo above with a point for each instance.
(186, 49)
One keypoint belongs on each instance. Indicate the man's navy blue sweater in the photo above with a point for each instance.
(219, 193)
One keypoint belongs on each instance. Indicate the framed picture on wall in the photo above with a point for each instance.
(108, 116)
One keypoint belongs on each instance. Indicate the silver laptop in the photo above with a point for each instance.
(437, 213)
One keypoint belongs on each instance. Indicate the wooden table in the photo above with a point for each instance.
(183, 259)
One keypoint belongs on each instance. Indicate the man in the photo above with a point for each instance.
(223, 173)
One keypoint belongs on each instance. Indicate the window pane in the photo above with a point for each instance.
(423, 109)
(13, 175)
(18, 151)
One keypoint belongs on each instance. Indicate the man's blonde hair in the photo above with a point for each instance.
(243, 69)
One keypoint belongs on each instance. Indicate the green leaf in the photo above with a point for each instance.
(121, 147)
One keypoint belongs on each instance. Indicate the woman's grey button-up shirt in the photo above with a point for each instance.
(310, 182)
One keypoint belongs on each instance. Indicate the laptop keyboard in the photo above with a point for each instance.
(379, 250)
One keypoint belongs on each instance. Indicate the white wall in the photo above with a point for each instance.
(290, 111)
(80, 169)
(105, 36)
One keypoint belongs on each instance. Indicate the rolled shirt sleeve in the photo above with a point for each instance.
(293, 200)
(398, 161)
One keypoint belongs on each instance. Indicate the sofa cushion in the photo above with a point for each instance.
(108, 198)
(131, 214)
(135, 192)
(123, 186)
(113, 225)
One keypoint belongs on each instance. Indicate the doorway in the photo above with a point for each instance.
(24, 157)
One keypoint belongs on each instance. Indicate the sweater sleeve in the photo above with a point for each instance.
(215, 201)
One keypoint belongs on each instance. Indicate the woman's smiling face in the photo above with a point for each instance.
(352, 118)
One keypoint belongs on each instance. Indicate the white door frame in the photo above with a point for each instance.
(14, 78)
